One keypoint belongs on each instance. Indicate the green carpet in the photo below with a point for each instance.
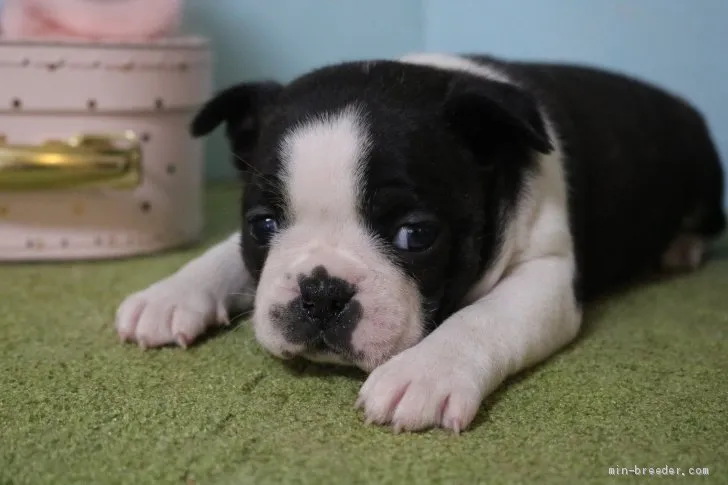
(646, 386)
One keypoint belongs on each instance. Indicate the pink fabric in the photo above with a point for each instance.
(90, 19)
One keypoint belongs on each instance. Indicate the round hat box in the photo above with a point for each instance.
(96, 160)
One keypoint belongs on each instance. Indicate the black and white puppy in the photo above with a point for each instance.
(439, 221)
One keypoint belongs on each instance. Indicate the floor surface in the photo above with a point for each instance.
(646, 385)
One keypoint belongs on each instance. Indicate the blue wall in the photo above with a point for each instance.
(282, 38)
(676, 43)
(680, 44)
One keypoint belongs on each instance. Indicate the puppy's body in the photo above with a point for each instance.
(641, 169)
(439, 221)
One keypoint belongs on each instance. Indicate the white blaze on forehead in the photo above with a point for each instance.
(323, 162)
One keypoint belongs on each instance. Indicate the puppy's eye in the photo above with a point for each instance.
(416, 237)
(262, 228)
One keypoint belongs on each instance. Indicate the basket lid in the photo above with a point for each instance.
(104, 76)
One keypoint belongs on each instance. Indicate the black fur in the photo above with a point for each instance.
(639, 161)
(460, 148)
(242, 109)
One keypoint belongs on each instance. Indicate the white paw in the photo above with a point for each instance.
(685, 253)
(414, 391)
(172, 311)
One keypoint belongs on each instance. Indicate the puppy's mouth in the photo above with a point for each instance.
(320, 345)
(325, 344)
(325, 349)
(313, 331)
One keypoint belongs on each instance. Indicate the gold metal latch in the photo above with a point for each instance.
(98, 161)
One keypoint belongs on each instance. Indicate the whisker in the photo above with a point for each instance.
(273, 184)
(245, 162)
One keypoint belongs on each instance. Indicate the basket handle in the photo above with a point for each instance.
(83, 161)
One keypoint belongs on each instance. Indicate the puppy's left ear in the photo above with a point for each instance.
(238, 104)
(489, 114)
(242, 109)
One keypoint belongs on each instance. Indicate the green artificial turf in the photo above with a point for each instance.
(646, 385)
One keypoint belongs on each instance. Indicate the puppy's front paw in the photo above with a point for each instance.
(171, 311)
(414, 391)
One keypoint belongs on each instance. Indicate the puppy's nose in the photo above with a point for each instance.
(324, 296)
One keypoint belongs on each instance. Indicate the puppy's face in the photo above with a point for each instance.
(368, 210)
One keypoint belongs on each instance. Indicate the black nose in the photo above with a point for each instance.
(323, 296)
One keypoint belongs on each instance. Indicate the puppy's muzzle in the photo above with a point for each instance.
(323, 315)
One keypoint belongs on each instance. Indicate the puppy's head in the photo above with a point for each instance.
(373, 198)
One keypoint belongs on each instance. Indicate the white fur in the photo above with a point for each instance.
(322, 162)
(521, 311)
(179, 308)
(685, 253)
(454, 63)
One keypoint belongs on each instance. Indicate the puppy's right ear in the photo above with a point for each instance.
(241, 108)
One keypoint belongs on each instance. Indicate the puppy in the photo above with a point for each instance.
(439, 221)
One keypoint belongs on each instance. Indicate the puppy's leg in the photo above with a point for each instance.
(179, 308)
(685, 253)
(442, 381)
